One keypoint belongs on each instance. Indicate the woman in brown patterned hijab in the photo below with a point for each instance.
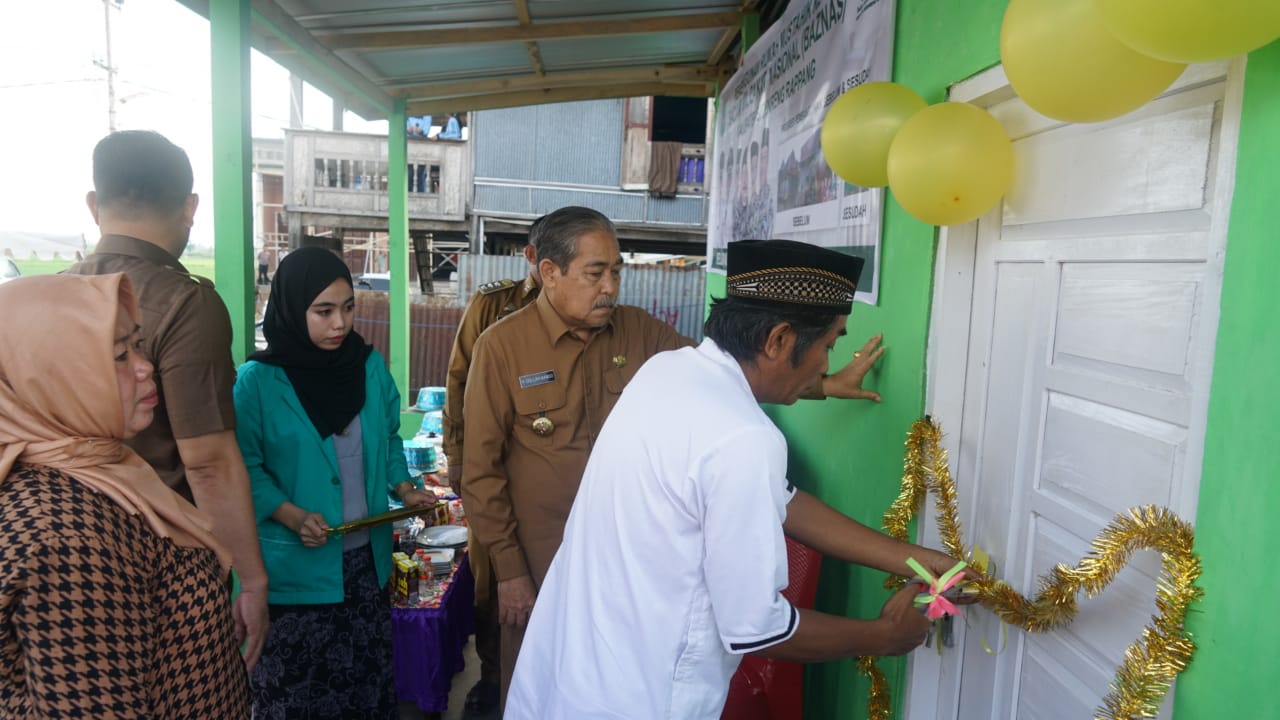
(113, 600)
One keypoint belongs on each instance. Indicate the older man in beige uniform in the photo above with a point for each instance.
(542, 382)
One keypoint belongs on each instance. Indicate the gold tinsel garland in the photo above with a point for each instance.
(1162, 650)
(878, 700)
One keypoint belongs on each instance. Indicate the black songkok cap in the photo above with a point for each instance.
(794, 273)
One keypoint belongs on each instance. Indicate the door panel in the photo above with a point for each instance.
(1058, 690)
(1137, 316)
(1104, 458)
(1091, 314)
(1154, 160)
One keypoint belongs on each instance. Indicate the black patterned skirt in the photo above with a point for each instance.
(330, 661)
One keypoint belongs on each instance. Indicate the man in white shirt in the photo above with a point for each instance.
(674, 557)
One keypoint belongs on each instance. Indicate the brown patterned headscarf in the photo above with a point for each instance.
(60, 404)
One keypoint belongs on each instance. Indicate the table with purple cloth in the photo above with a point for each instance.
(427, 643)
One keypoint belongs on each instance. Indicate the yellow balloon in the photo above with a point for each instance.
(1064, 63)
(1192, 30)
(860, 126)
(950, 163)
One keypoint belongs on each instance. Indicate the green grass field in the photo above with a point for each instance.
(42, 267)
(198, 265)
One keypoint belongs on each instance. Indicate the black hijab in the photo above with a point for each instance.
(330, 383)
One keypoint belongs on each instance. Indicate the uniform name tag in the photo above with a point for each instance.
(536, 379)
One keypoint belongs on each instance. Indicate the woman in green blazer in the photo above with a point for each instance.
(318, 421)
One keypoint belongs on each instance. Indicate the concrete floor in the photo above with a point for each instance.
(462, 682)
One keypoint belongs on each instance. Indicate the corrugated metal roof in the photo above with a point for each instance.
(476, 270)
(431, 333)
(671, 294)
(577, 142)
(621, 207)
(617, 206)
(680, 210)
(501, 198)
(457, 55)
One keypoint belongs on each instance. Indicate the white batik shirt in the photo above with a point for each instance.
(673, 559)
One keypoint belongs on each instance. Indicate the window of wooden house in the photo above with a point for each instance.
(424, 178)
(665, 119)
(371, 175)
(680, 119)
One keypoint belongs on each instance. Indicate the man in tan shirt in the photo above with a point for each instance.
(541, 384)
(142, 202)
(492, 302)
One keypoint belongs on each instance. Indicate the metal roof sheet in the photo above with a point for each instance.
(457, 55)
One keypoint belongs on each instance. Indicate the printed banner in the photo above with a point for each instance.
(770, 179)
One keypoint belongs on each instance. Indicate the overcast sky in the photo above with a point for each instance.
(53, 102)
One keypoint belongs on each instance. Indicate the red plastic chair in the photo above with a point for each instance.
(764, 689)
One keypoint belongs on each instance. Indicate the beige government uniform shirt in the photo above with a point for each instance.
(492, 303)
(186, 334)
(519, 485)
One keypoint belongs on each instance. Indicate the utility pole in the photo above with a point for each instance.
(111, 69)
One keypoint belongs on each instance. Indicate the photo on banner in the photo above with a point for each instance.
(770, 179)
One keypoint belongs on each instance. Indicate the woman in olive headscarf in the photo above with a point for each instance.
(318, 421)
(113, 593)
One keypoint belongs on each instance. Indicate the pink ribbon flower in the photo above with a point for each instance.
(936, 605)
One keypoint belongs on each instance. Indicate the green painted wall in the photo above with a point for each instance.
(1237, 537)
(850, 453)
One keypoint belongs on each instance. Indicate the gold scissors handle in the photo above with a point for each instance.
(384, 518)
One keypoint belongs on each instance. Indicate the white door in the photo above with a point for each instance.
(1071, 348)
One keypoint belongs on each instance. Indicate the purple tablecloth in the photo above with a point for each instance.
(427, 643)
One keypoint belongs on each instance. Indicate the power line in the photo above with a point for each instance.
(43, 83)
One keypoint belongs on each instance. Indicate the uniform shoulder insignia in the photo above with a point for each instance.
(197, 279)
(497, 285)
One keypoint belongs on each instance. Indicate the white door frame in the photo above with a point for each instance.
(933, 681)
